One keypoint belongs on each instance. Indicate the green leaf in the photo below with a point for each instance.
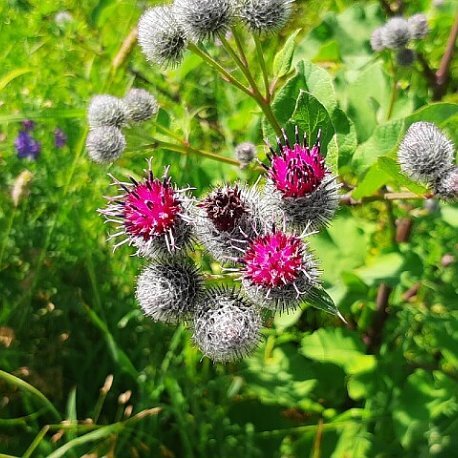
(391, 168)
(311, 116)
(368, 98)
(13, 75)
(321, 300)
(385, 268)
(338, 346)
(283, 59)
(372, 181)
(344, 142)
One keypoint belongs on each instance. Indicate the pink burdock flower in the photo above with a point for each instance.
(300, 185)
(278, 270)
(152, 215)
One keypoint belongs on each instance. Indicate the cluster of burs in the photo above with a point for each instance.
(257, 233)
(397, 34)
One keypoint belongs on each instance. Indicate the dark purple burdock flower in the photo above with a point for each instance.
(300, 186)
(60, 138)
(26, 146)
(28, 125)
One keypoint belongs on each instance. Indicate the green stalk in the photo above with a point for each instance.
(185, 149)
(227, 76)
(263, 65)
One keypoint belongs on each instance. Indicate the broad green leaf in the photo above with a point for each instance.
(284, 57)
(450, 215)
(368, 99)
(383, 141)
(321, 300)
(385, 268)
(343, 144)
(372, 181)
(391, 167)
(338, 346)
(311, 116)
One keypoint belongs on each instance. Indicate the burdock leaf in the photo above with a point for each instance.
(320, 299)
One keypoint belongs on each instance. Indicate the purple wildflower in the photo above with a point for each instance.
(27, 146)
(28, 125)
(60, 138)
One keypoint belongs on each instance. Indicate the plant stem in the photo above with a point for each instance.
(238, 42)
(262, 102)
(442, 73)
(394, 92)
(390, 196)
(226, 75)
(185, 149)
(262, 62)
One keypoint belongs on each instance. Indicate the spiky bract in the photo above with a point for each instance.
(105, 144)
(161, 37)
(106, 110)
(405, 57)
(265, 15)
(140, 105)
(226, 327)
(203, 19)
(227, 219)
(377, 43)
(446, 185)
(169, 289)
(278, 271)
(300, 187)
(245, 153)
(151, 214)
(418, 26)
(425, 153)
(396, 33)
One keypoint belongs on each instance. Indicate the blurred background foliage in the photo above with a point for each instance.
(385, 386)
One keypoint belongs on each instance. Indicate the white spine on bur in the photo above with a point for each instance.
(105, 144)
(425, 153)
(396, 33)
(106, 110)
(265, 15)
(226, 327)
(418, 26)
(140, 105)
(161, 37)
(168, 289)
(203, 19)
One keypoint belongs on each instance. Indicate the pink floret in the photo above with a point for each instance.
(297, 171)
(151, 209)
(274, 260)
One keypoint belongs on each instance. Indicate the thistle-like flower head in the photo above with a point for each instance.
(106, 110)
(140, 105)
(278, 270)
(300, 187)
(418, 26)
(151, 213)
(396, 33)
(425, 153)
(169, 289)
(161, 37)
(265, 15)
(245, 153)
(297, 170)
(226, 327)
(377, 43)
(105, 144)
(203, 19)
(224, 207)
(446, 184)
(227, 219)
